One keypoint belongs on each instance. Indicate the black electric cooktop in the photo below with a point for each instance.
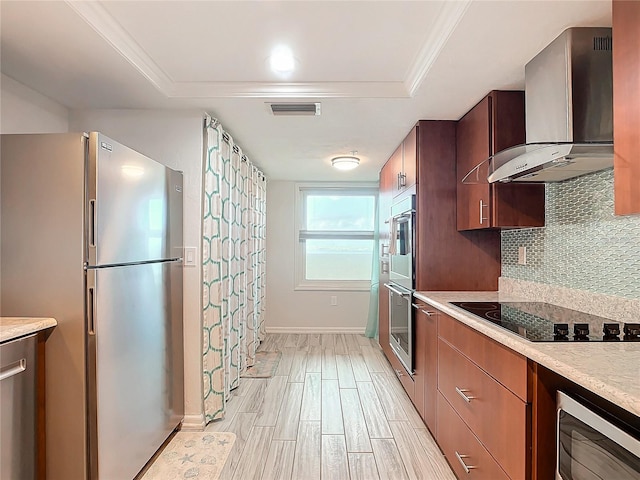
(542, 322)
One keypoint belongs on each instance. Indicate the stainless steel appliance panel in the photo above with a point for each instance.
(43, 254)
(128, 205)
(401, 243)
(589, 447)
(18, 409)
(401, 325)
(130, 403)
(569, 88)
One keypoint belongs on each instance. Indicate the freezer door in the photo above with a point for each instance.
(133, 403)
(128, 205)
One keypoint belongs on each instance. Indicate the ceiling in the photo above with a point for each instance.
(376, 66)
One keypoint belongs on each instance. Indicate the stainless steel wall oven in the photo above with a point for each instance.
(593, 444)
(401, 243)
(402, 279)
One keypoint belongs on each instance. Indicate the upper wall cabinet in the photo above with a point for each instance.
(494, 124)
(626, 105)
(404, 162)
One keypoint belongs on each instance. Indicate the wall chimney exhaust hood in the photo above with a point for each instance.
(569, 113)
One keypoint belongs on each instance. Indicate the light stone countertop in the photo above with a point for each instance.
(14, 327)
(611, 370)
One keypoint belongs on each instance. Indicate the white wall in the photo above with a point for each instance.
(289, 310)
(23, 110)
(173, 138)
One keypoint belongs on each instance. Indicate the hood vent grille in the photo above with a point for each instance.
(295, 108)
(602, 44)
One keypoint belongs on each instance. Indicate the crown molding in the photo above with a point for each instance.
(290, 90)
(108, 28)
(444, 26)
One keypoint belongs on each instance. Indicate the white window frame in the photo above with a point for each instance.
(342, 188)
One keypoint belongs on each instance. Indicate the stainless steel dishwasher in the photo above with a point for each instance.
(18, 408)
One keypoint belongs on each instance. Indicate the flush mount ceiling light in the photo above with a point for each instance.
(345, 162)
(281, 60)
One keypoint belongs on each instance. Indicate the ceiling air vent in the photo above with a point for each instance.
(295, 108)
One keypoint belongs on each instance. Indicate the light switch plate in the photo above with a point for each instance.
(190, 254)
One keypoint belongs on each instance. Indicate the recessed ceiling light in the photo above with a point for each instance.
(282, 60)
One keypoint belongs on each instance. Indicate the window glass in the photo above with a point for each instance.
(338, 259)
(340, 212)
(335, 237)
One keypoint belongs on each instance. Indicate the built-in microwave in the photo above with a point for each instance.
(401, 243)
(594, 445)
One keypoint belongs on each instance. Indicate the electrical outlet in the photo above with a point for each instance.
(522, 255)
(334, 300)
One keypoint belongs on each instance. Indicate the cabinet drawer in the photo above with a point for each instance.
(455, 437)
(503, 364)
(495, 415)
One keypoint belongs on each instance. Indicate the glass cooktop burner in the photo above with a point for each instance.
(542, 322)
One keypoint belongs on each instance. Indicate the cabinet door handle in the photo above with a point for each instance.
(399, 373)
(462, 393)
(482, 217)
(467, 468)
(403, 180)
(382, 252)
(384, 267)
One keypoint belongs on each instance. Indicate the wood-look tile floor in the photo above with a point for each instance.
(334, 410)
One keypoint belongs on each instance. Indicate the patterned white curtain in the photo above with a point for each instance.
(233, 269)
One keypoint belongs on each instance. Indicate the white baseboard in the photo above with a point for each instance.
(349, 330)
(193, 423)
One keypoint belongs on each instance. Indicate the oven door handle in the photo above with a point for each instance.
(396, 291)
(403, 216)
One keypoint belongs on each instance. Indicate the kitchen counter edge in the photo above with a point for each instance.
(16, 327)
(588, 365)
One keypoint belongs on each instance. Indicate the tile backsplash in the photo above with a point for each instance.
(584, 245)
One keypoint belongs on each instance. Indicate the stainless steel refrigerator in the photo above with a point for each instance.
(91, 234)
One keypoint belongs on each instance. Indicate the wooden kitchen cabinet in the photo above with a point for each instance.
(385, 199)
(383, 320)
(494, 124)
(626, 105)
(445, 259)
(426, 363)
(403, 162)
(468, 458)
(486, 386)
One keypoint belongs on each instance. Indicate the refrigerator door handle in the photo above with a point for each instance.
(90, 312)
(92, 223)
(91, 302)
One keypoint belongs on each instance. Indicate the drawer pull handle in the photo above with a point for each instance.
(467, 468)
(13, 369)
(462, 393)
(426, 312)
